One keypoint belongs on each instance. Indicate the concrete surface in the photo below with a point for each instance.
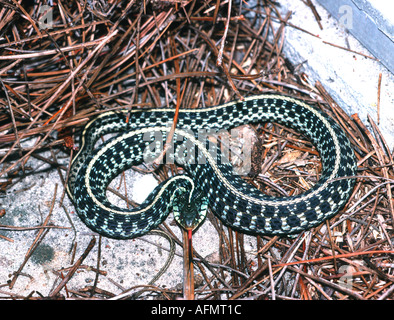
(126, 263)
(350, 78)
(370, 21)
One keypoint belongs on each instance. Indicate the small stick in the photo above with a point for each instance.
(356, 52)
(74, 268)
(315, 13)
(378, 102)
(98, 268)
(272, 284)
(223, 40)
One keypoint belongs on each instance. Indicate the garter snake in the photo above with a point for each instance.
(208, 182)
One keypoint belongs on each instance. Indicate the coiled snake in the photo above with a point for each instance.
(208, 182)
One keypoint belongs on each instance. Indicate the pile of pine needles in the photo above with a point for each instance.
(63, 62)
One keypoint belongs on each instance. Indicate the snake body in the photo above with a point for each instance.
(238, 204)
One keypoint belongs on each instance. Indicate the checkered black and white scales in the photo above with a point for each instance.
(235, 202)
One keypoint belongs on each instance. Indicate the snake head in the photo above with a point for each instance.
(190, 213)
